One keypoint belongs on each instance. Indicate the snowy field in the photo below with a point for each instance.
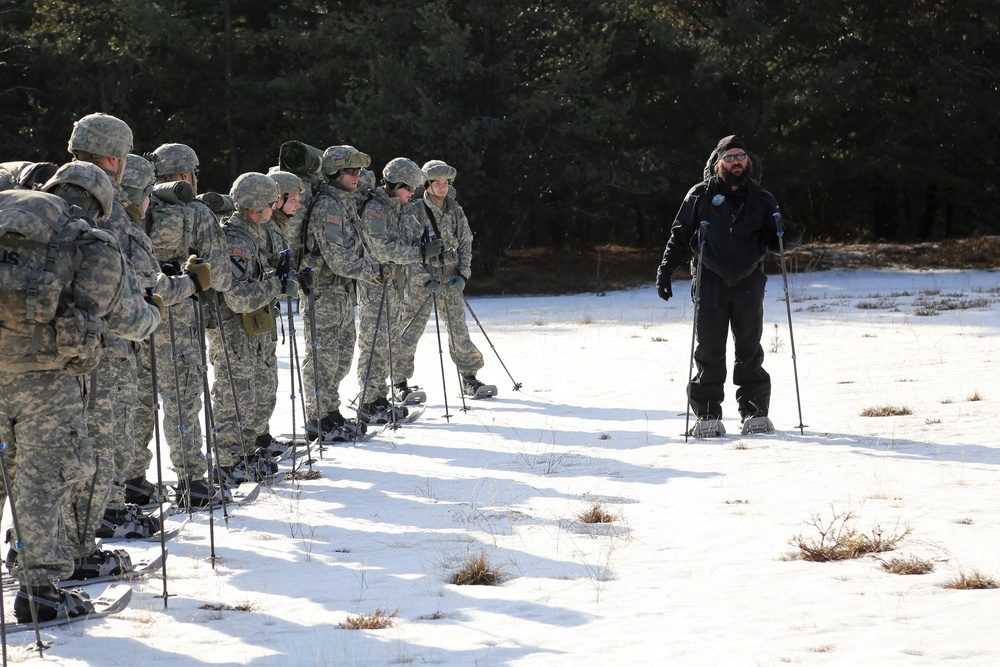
(700, 566)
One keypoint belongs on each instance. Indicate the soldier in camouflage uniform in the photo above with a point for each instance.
(43, 378)
(180, 226)
(246, 321)
(438, 216)
(103, 141)
(131, 487)
(388, 243)
(335, 250)
(276, 229)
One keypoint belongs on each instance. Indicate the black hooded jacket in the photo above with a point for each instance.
(739, 227)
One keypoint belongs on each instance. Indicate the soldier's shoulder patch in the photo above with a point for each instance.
(240, 251)
(333, 219)
(375, 210)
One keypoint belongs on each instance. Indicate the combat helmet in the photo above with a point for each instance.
(139, 177)
(286, 180)
(90, 178)
(174, 159)
(403, 170)
(436, 170)
(336, 158)
(254, 191)
(101, 134)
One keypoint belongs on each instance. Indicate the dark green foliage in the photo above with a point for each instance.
(571, 123)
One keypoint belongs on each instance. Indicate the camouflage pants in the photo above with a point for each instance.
(111, 426)
(372, 385)
(451, 311)
(255, 395)
(333, 352)
(43, 414)
(181, 426)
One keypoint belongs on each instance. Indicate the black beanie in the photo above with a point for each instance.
(728, 143)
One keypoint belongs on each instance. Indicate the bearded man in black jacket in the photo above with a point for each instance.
(731, 221)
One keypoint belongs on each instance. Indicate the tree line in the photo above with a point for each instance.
(571, 122)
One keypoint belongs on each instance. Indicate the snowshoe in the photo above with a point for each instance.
(269, 447)
(707, 426)
(757, 425)
(381, 412)
(331, 422)
(101, 563)
(51, 603)
(128, 523)
(407, 395)
(350, 430)
(476, 389)
(252, 469)
(140, 491)
(195, 493)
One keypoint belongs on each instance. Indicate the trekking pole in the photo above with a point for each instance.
(388, 343)
(694, 328)
(170, 270)
(293, 362)
(211, 457)
(788, 307)
(437, 326)
(517, 385)
(232, 383)
(314, 343)
(406, 327)
(458, 371)
(19, 545)
(371, 359)
(159, 462)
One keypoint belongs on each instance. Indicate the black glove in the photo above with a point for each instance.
(284, 267)
(663, 285)
(306, 276)
(169, 269)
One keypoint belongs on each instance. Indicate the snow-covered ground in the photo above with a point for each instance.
(698, 569)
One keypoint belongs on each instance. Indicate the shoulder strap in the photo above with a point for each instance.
(434, 223)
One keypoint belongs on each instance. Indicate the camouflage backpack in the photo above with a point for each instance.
(48, 321)
(170, 221)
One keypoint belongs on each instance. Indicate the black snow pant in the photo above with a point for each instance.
(740, 307)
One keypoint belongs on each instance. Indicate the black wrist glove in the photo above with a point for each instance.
(284, 267)
(663, 289)
(306, 278)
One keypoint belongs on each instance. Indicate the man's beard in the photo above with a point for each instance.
(734, 180)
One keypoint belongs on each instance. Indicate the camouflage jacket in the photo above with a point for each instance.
(254, 284)
(451, 226)
(334, 242)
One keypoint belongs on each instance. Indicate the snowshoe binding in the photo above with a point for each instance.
(707, 426)
(51, 603)
(474, 388)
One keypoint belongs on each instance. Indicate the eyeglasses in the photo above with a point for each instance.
(731, 158)
(404, 186)
(352, 171)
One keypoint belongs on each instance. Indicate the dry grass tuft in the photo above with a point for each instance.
(974, 396)
(305, 475)
(972, 581)
(597, 514)
(242, 606)
(479, 572)
(886, 411)
(375, 621)
(908, 565)
(839, 540)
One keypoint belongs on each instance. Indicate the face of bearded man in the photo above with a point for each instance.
(737, 172)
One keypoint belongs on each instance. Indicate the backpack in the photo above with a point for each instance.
(41, 249)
